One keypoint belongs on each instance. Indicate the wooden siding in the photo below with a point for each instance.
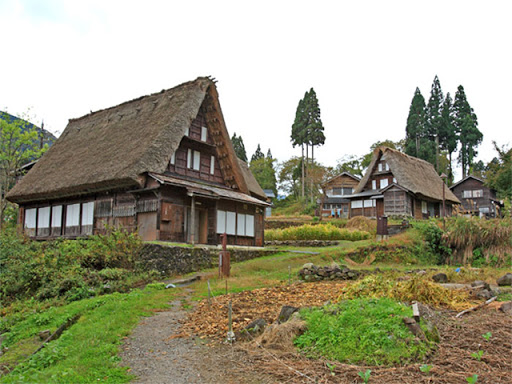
(206, 149)
(397, 202)
(473, 204)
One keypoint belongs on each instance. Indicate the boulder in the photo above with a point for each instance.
(506, 307)
(440, 278)
(484, 294)
(43, 335)
(286, 312)
(254, 328)
(308, 266)
(478, 283)
(505, 280)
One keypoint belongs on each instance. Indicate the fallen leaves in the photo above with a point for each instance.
(212, 321)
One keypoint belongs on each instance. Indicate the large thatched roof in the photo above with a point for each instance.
(114, 147)
(416, 175)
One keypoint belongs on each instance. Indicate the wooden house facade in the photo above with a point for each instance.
(476, 198)
(396, 184)
(334, 202)
(162, 165)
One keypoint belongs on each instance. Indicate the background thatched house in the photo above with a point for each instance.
(396, 184)
(161, 164)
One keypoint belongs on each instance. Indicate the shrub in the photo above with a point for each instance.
(363, 224)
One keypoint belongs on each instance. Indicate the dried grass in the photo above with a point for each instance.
(363, 224)
(280, 336)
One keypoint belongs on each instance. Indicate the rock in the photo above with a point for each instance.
(414, 328)
(422, 272)
(286, 312)
(505, 280)
(308, 266)
(484, 294)
(403, 278)
(478, 283)
(440, 278)
(254, 328)
(43, 335)
(506, 307)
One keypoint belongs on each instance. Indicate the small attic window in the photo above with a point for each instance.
(387, 167)
(173, 158)
(380, 167)
(204, 133)
(187, 132)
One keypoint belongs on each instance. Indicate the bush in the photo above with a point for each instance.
(433, 236)
(315, 232)
(67, 269)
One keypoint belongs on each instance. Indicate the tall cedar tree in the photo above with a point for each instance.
(447, 135)
(258, 154)
(433, 117)
(238, 145)
(298, 136)
(415, 128)
(307, 129)
(466, 126)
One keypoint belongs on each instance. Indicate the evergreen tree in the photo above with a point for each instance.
(433, 117)
(298, 135)
(415, 128)
(447, 133)
(238, 145)
(257, 155)
(269, 154)
(466, 126)
(264, 173)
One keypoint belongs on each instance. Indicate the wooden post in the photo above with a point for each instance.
(192, 220)
(209, 294)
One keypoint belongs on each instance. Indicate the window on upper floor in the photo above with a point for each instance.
(204, 134)
(380, 167)
(478, 193)
(374, 184)
(193, 159)
(384, 183)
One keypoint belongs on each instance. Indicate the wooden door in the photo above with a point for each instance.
(380, 207)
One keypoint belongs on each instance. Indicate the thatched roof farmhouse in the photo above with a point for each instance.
(162, 164)
(401, 185)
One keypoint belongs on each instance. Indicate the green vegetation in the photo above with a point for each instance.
(365, 375)
(53, 273)
(316, 232)
(369, 331)
(88, 351)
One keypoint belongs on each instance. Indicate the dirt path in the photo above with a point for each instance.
(155, 355)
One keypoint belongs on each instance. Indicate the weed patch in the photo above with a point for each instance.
(367, 331)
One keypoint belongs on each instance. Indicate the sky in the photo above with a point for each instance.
(62, 59)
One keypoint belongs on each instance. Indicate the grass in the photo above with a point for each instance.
(369, 331)
(316, 232)
(88, 351)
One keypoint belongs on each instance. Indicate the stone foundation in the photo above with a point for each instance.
(310, 272)
(172, 260)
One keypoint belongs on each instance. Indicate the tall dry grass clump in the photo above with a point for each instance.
(363, 224)
(316, 232)
(492, 237)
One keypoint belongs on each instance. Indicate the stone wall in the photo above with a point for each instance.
(172, 260)
(310, 272)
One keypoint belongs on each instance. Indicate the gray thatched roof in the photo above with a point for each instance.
(114, 147)
(416, 175)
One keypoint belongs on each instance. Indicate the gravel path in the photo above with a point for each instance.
(155, 356)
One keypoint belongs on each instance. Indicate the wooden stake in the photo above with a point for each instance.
(226, 286)
(209, 294)
(477, 307)
(289, 275)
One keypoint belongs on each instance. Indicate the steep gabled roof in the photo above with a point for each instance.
(114, 147)
(344, 173)
(466, 178)
(416, 175)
